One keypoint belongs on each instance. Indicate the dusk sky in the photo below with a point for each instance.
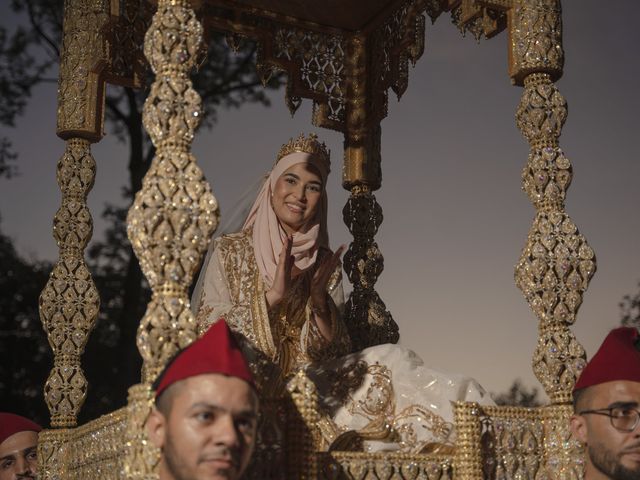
(455, 218)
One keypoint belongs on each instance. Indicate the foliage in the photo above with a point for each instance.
(630, 310)
(28, 54)
(519, 395)
(26, 356)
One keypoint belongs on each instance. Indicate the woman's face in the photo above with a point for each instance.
(296, 197)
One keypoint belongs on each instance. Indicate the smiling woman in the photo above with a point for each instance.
(279, 287)
(295, 197)
(277, 282)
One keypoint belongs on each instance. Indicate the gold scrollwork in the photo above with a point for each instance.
(69, 303)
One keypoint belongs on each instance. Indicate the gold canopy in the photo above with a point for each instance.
(344, 56)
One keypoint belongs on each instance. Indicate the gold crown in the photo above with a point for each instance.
(309, 145)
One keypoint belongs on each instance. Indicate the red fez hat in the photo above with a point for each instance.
(617, 359)
(11, 424)
(215, 352)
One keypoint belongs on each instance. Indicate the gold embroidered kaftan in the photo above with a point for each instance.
(385, 393)
(276, 342)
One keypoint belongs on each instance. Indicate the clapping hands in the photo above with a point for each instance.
(282, 280)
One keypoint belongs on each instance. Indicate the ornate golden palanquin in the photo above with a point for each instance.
(344, 56)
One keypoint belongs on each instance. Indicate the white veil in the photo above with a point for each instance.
(231, 223)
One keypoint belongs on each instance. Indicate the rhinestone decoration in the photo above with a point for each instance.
(69, 302)
(175, 213)
(557, 263)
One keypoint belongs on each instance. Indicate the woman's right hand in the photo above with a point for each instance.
(282, 280)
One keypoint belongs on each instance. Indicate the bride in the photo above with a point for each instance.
(279, 286)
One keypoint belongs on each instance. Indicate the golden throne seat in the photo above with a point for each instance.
(498, 443)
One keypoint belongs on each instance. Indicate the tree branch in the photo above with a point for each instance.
(39, 30)
(245, 62)
(113, 108)
(241, 86)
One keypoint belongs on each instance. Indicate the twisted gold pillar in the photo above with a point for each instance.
(367, 318)
(557, 263)
(69, 303)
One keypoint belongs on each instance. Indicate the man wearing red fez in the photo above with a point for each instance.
(606, 402)
(205, 416)
(18, 445)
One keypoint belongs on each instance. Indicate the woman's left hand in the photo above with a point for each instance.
(321, 279)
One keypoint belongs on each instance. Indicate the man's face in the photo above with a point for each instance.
(18, 456)
(209, 430)
(612, 453)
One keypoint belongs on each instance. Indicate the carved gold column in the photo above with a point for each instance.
(69, 303)
(367, 317)
(468, 457)
(557, 263)
(172, 217)
(174, 214)
(141, 456)
(302, 432)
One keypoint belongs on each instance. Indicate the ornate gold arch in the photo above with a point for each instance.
(344, 56)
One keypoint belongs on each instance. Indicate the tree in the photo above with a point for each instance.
(224, 80)
(630, 309)
(518, 395)
(26, 355)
